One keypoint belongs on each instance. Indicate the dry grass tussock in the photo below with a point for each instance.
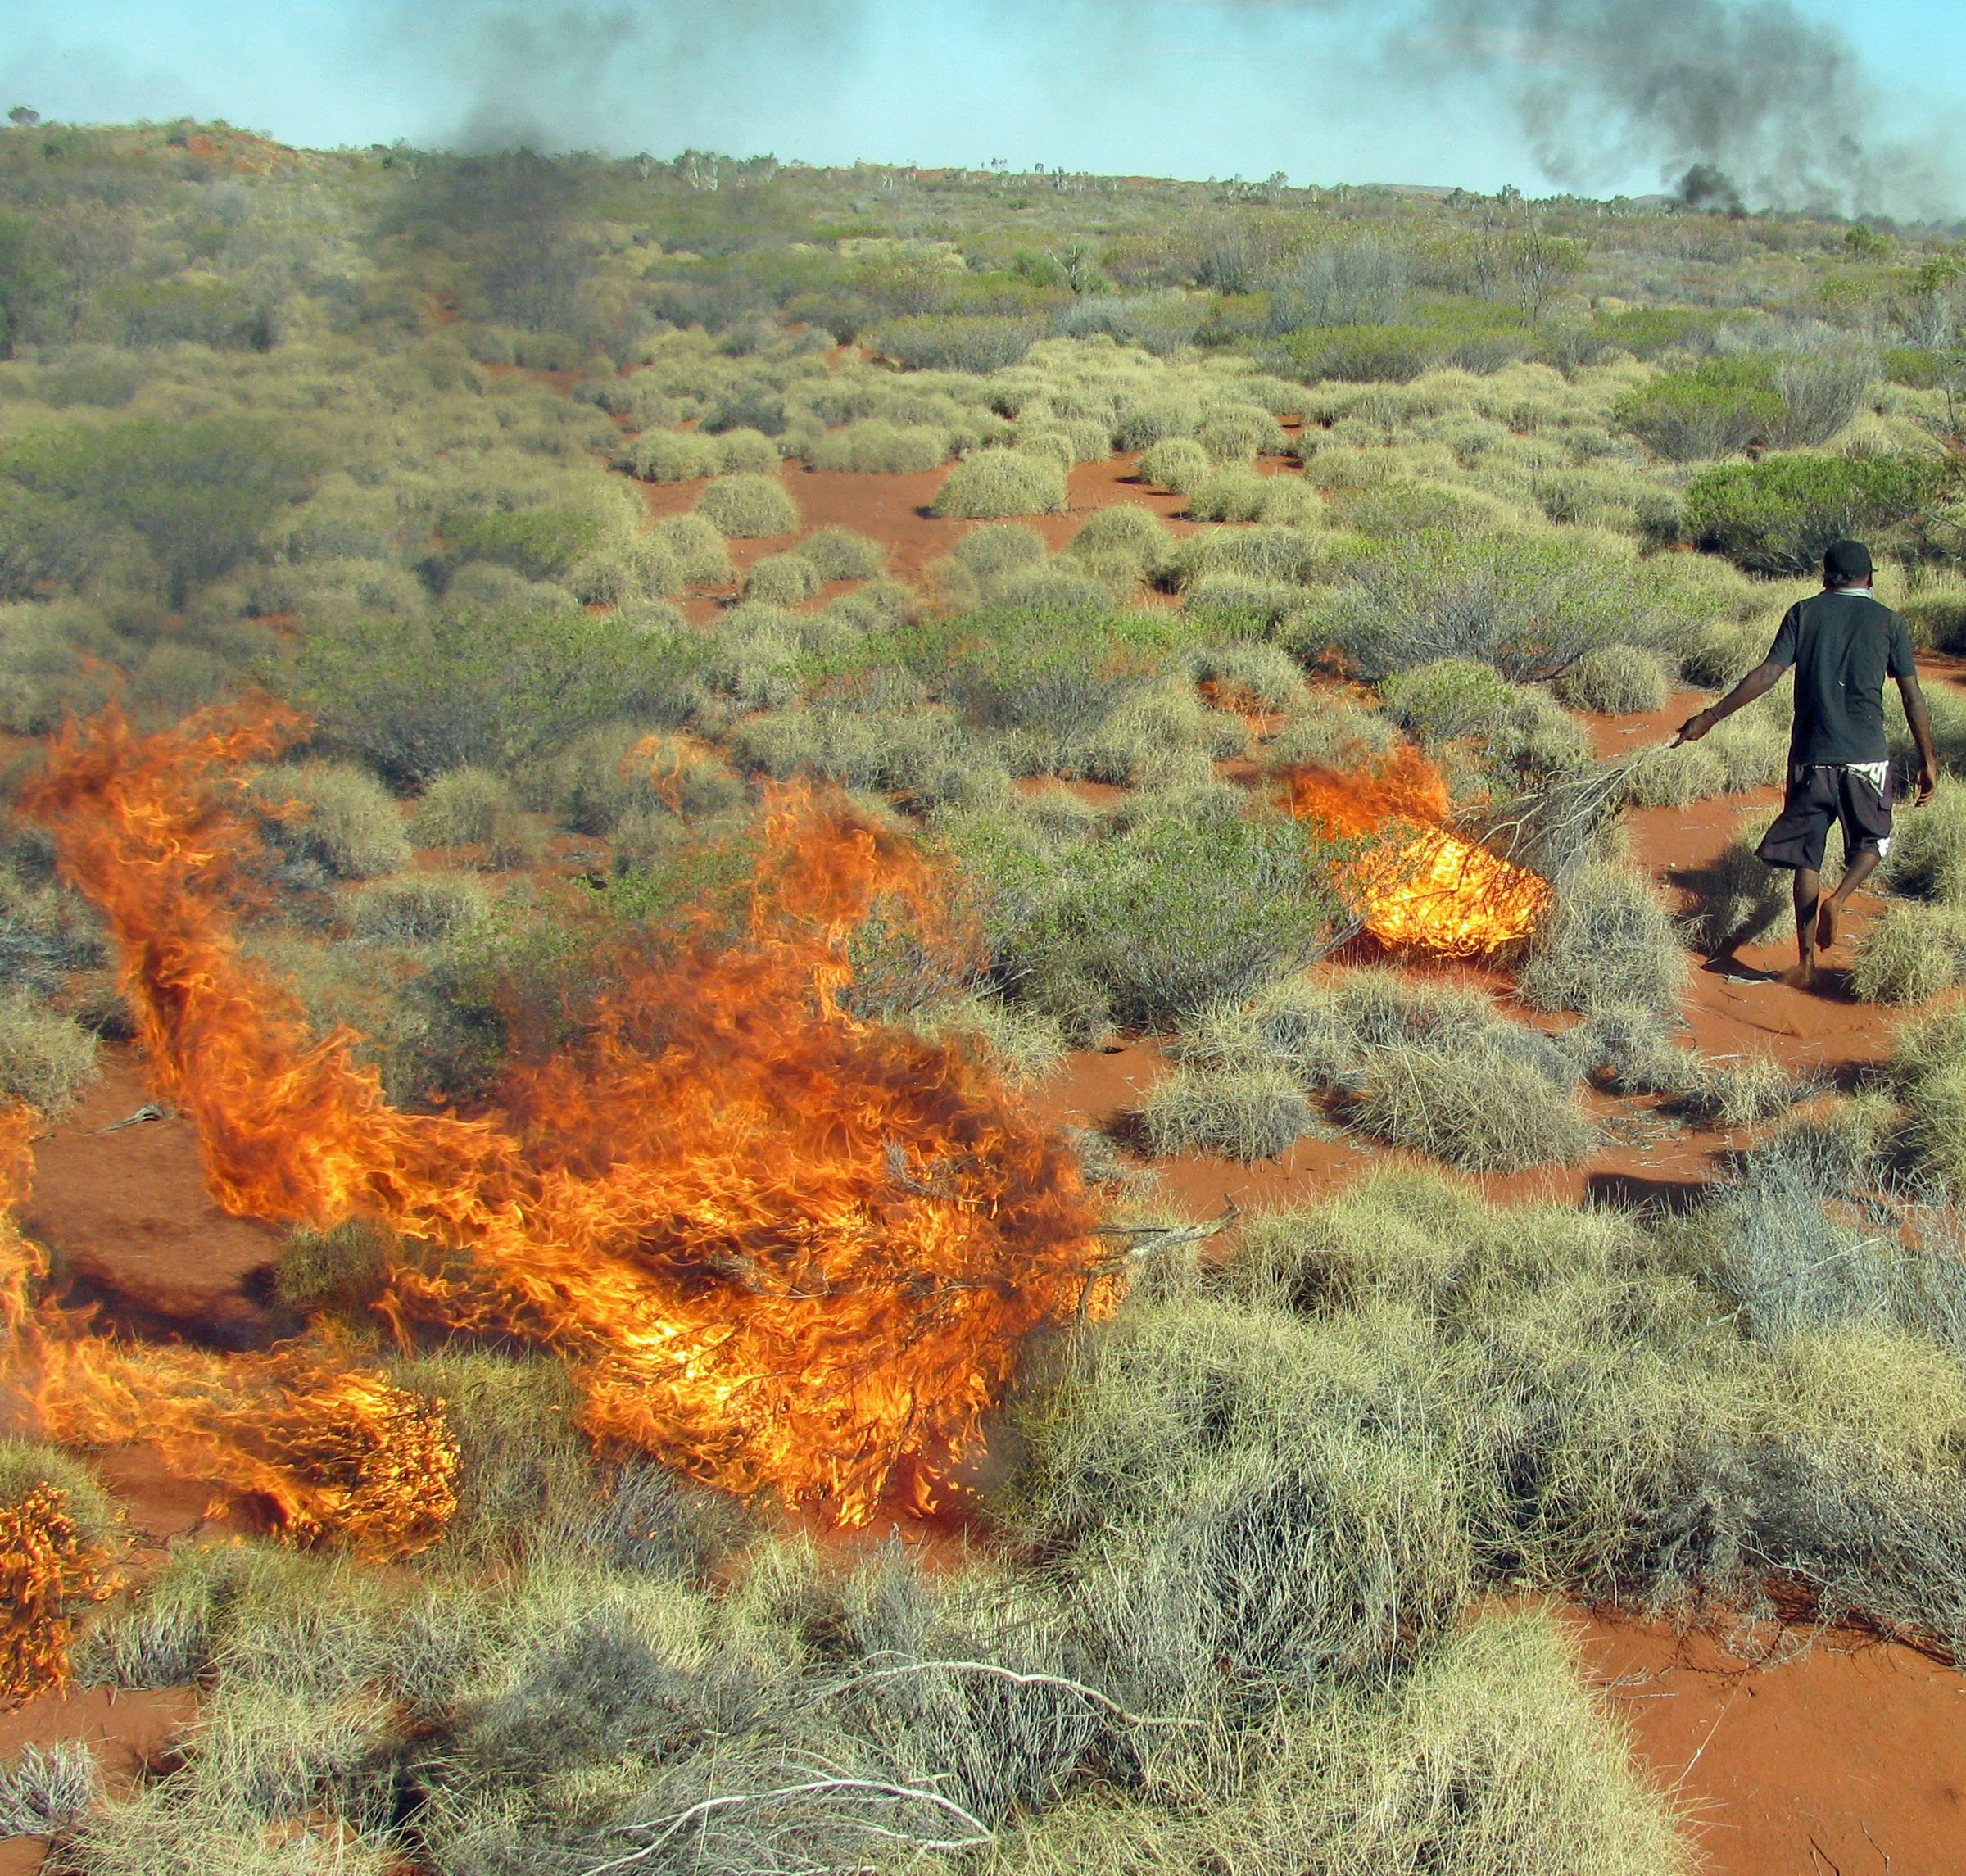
(46, 1058)
(1437, 1070)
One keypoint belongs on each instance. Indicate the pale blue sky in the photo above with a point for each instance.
(1193, 88)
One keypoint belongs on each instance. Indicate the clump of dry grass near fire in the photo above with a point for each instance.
(1613, 679)
(1438, 1071)
(1494, 1756)
(1749, 750)
(475, 808)
(1607, 939)
(1631, 1045)
(340, 818)
(48, 1790)
(46, 1058)
(1487, 1115)
(1245, 1113)
(1023, 1046)
(340, 1268)
(417, 908)
(57, 1534)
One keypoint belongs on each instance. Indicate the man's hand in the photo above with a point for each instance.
(1928, 782)
(1694, 727)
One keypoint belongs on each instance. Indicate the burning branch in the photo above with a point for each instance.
(1424, 885)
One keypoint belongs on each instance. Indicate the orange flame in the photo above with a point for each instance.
(47, 1569)
(783, 1249)
(1433, 890)
(327, 1447)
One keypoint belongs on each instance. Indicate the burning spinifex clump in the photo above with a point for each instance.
(1420, 884)
(783, 1249)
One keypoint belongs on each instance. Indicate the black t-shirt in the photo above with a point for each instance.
(1843, 646)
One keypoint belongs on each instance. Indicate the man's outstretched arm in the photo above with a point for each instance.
(1757, 683)
(1920, 720)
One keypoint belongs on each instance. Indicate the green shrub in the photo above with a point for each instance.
(749, 507)
(1529, 607)
(1245, 1113)
(1510, 725)
(46, 1058)
(1778, 515)
(201, 494)
(994, 483)
(839, 553)
(666, 455)
(973, 344)
(1149, 925)
(537, 543)
(342, 819)
(1616, 680)
(1712, 409)
(474, 808)
(458, 690)
(1178, 463)
(878, 448)
(417, 908)
(781, 580)
(1606, 939)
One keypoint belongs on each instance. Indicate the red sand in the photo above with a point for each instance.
(1850, 1757)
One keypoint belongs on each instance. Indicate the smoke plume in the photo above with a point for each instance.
(1758, 97)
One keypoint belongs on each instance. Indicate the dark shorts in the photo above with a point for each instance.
(1820, 794)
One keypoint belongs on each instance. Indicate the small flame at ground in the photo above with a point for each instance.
(47, 1573)
(786, 1250)
(325, 1446)
(1433, 891)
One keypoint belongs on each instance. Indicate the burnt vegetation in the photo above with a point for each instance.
(499, 472)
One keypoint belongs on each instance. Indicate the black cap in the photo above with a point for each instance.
(1846, 561)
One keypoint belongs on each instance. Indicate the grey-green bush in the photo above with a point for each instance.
(749, 507)
(342, 819)
(994, 483)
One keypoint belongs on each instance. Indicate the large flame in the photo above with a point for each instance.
(782, 1249)
(1425, 886)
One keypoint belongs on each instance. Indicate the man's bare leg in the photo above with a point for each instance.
(1859, 869)
(1808, 908)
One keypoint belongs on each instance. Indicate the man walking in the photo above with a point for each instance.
(1843, 645)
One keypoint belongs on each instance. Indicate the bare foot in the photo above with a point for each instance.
(1801, 976)
(1825, 924)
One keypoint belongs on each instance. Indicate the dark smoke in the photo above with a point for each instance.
(1775, 103)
